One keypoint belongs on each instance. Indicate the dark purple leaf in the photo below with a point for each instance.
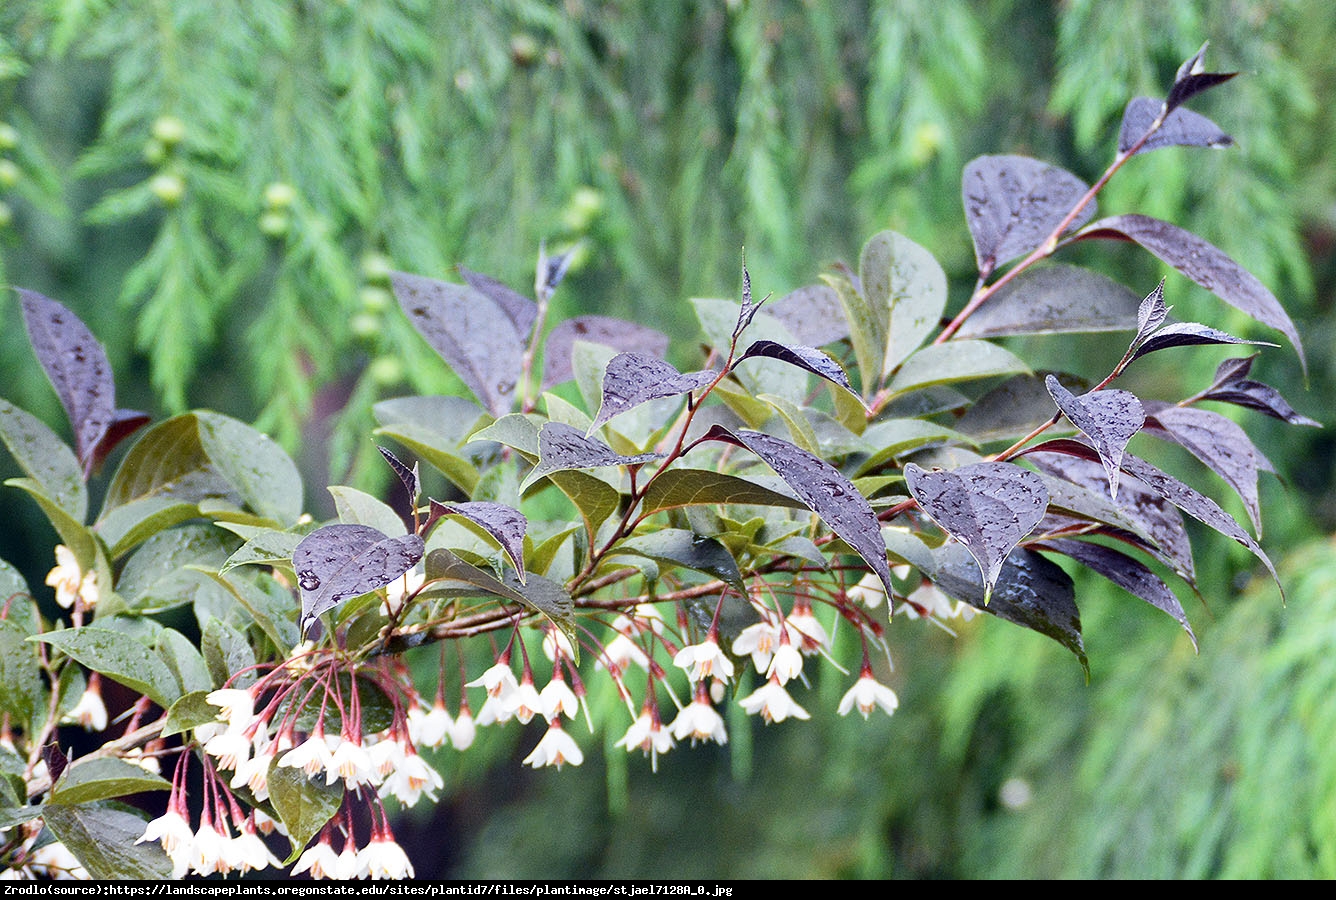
(1031, 591)
(562, 447)
(812, 314)
(824, 490)
(1128, 573)
(505, 524)
(615, 333)
(1151, 516)
(1231, 386)
(449, 575)
(679, 547)
(818, 362)
(1109, 418)
(1054, 300)
(78, 368)
(521, 311)
(988, 506)
(338, 562)
(1013, 203)
(1186, 334)
(1220, 444)
(1182, 127)
(635, 378)
(1205, 264)
(407, 477)
(1200, 507)
(470, 331)
(1192, 79)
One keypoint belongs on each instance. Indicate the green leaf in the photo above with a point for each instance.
(800, 430)
(101, 778)
(516, 430)
(103, 839)
(190, 711)
(905, 288)
(126, 526)
(359, 508)
(227, 653)
(690, 487)
(269, 547)
(593, 497)
(155, 577)
(678, 547)
(83, 543)
(303, 805)
(867, 330)
(207, 456)
(19, 605)
(893, 438)
(119, 657)
(954, 361)
(271, 608)
(1053, 300)
(25, 694)
(184, 661)
(261, 471)
(46, 458)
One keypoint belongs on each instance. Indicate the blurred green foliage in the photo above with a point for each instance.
(218, 190)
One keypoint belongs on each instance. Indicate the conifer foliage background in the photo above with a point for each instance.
(218, 190)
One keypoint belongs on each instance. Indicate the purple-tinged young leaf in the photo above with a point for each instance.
(124, 422)
(988, 506)
(550, 271)
(1128, 573)
(1140, 511)
(1056, 299)
(338, 562)
(1013, 203)
(1185, 334)
(562, 447)
(78, 369)
(1182, 127)
(505, 524)
(635, 378)
(1032, 592)
(470, 331)
(521, 311)
(1205, 264)
(748, 310)
(818, 362)
(1220, 444)
(1192, 79)
(812, 314)
(825, 491)
(1150, 315)
(407, 477)
(615, 333)
(1109, 418)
